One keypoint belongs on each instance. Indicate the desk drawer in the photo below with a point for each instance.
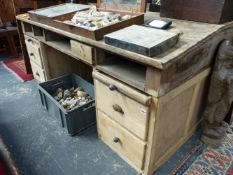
(33, 47)
(38, 73)
(128, 111)
(83, 52)
(120, 140)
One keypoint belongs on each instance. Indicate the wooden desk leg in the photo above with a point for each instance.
(11, 44)
(34, 4)
(24, 49)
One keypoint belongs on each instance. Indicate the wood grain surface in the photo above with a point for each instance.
(188, 41)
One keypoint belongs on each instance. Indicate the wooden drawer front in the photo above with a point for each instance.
(83, 52)
(33, 48)
(123, 109)
(38, 73)
(120, 140)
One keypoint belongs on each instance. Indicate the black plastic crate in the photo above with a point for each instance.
(77, 119)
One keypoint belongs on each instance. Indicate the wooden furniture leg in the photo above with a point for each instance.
(3, 40)
(24, 49)
(229, 117)
(11, 44)
(34, 4)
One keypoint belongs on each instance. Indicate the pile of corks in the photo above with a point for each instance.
(71, 98)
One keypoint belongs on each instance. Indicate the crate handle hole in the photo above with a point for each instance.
(58, 83)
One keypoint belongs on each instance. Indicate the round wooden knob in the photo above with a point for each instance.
(116, 140)
(112, 87)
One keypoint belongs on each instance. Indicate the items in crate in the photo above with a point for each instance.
(71, 98)
(93, 19)
(80, 117)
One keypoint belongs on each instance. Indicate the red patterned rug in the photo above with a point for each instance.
(204, 160)
(17, 67)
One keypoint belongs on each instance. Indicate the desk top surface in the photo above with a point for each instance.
(193, 35)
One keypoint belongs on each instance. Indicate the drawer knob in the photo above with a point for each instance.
(29, 40)
(112, 87)
(31, 54)
(116, 140)
(117, 108)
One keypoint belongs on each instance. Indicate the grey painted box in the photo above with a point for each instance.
(142, 40)
(77, 119)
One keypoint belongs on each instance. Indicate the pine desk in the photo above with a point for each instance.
(146, 107)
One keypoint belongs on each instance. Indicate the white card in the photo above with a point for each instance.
(157, 23)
